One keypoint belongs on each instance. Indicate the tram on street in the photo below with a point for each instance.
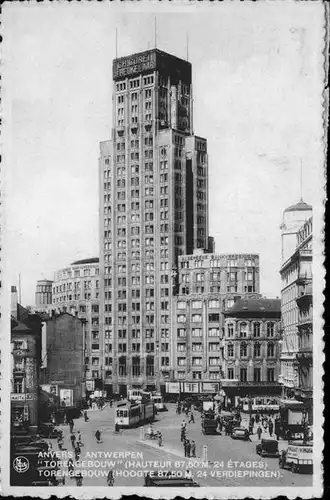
(130, 414)
(138, 395)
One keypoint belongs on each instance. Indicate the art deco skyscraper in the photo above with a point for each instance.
(153, 208)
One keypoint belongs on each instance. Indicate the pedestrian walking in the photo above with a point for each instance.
(73, 440)
(252, 421)
(259, 432)
(60, 442)
(160, 439)
(79, 479)
(110, 478)
(250, 428)
(71, 425)
(188, 448)
(192, 418)
(70, 467)
(271, 428)
(247, 435)
(77, 452)
(98, 436)
(86, 416)
(193, 449)
(183, 435)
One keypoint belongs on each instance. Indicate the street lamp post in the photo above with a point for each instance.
(157, 367)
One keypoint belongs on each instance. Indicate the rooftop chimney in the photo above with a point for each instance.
(14, 301)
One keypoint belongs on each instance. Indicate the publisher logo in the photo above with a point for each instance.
(21, 464)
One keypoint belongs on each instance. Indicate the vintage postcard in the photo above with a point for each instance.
(163, 188)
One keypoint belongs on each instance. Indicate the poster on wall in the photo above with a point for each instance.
(173, 387)
(90, 384)
(66, 397)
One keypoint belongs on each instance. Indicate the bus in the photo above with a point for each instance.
(130, 414)
(158, 401)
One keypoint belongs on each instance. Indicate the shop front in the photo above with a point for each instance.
(24, 411)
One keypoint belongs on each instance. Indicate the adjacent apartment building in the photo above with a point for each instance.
(76, 290)
(296, 280)
(153, 209)
(252, 335)
(63, 357)
(25, 364)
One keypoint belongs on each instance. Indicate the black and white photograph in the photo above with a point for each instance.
(162, 244)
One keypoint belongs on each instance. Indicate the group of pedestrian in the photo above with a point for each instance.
(188, 446)
(183, 407)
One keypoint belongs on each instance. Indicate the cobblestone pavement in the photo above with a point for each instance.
(223, 454)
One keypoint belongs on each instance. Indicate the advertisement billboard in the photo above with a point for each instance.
(173, 387)
(66, 397)
(90, 385)
(210, 387)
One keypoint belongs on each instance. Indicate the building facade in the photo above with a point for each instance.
(153, 208)
(208, 284)
(295, 273)
(25, 362)
(63, 361)
(44, 290)
(252, 335)
(76, 290)
(305, 318)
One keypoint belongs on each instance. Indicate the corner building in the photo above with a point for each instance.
(296, 272)
(153, 208)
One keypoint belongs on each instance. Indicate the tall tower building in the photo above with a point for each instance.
(153, 208)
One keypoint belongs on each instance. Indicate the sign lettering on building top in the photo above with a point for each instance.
(129, 66)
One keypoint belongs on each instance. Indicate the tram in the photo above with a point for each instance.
(137, 395)
(130, 414)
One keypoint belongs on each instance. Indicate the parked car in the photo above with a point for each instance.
(35, 447)
(240, 433)
(168, 480)
(268, 448)
(49, 431)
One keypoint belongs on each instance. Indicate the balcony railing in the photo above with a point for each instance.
(304, 353)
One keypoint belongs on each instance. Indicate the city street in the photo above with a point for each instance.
(223, 454)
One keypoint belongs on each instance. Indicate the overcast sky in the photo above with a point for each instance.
(257, 77)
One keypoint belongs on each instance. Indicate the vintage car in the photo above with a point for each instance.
(268, 448)
(169, 480)
(240, 433)
(34, 446)
(49, 431)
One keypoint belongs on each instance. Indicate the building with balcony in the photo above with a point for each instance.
(153, 208)
(25, 364)
(296, 280)
(304, 302)
(251, 354)
(76, 291)
(207, 285)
